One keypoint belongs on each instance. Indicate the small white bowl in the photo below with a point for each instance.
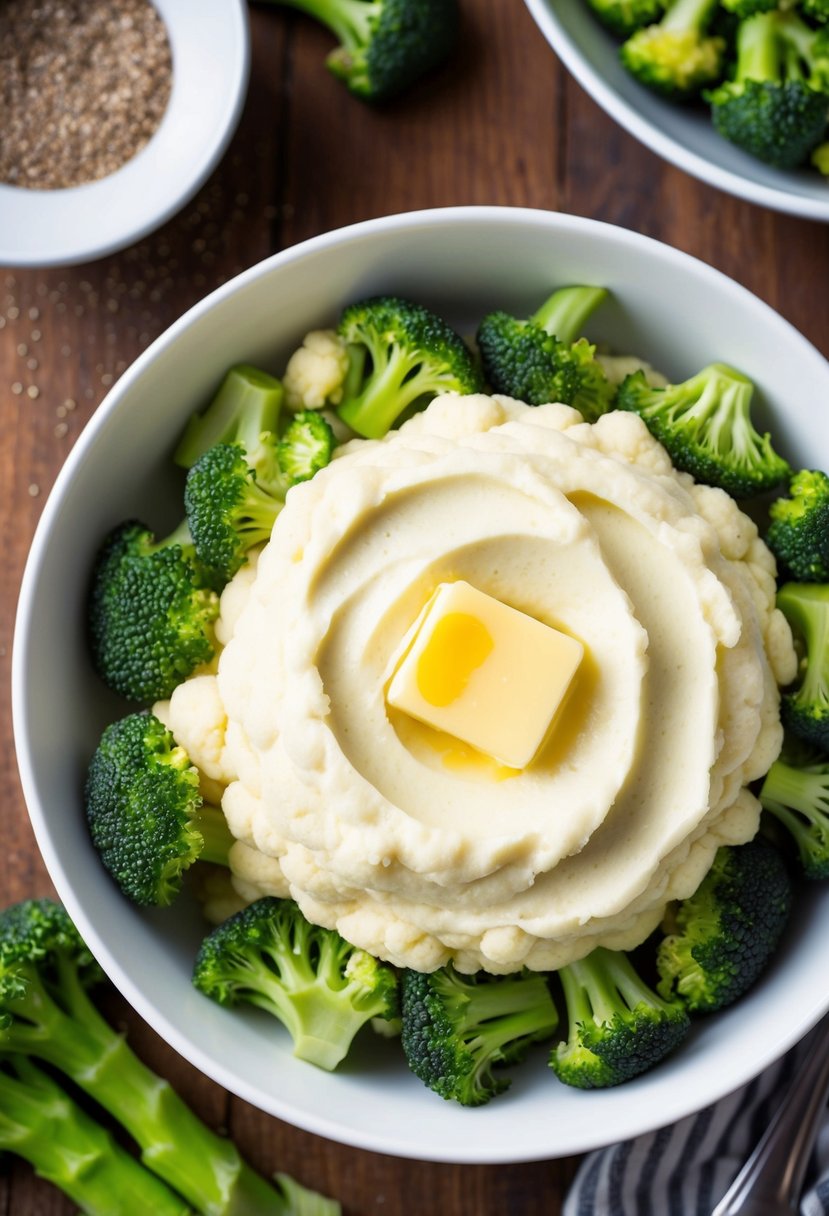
(210, 45)
(464, 262)
(682, 135)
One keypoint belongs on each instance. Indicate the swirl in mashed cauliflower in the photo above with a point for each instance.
(420, 850)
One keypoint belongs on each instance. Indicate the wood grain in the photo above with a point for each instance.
(501, 124)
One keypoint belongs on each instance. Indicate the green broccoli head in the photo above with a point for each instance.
(151, 610)
(724, 935)
(624, 17)
(804, 709)
(705, 425)
(457, 1028)
(37, 937)
(306, 447)
(400, 353)
(145, 812)
(799, 532)
(617, 1026)
(676, 56)
(796, 792)
(318, 985)
(246, 406)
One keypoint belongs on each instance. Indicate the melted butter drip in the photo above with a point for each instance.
(455, 756)
(459, 644)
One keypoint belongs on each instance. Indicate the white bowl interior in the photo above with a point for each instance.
(210, 48)
(681, 134)
(676, 311)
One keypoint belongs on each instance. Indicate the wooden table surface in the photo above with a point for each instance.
(502, 124)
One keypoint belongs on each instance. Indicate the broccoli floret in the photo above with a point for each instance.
(705, 425)
(618, 1027)
(796, 792)
(150, 612)
(145, 813)
(799, 532)
(306, 447)
(400, 354)
(676, 56)
(543, 358)
(724, 935)
(318, 985)
(385, 45)
(457, 1028)
(804, 710)
(624, 17)
(776, 105)
(46, 1012)
(246, 406)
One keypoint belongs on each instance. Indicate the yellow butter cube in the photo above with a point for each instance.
(484, 672)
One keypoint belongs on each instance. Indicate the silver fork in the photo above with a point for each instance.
(770, 1182)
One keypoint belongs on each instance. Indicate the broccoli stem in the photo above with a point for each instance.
(687, 15)
(593, 986)
(567, 311)
(246, 406)
(805, 608)
(348, 20)
(508, 1010)
(758, 49)
(40, 1123)
(211, 823)
(387, 394)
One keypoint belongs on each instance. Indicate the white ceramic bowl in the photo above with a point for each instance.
(210, 45)
(678, 312)
(682, 135)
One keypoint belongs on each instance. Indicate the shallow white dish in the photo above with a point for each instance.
(678, 312)
(682, 135)
(210, 45)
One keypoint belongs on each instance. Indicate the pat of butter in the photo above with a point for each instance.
(484, 672)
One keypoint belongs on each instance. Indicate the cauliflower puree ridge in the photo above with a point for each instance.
(415, 849)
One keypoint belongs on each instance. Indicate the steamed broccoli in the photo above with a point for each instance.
(705, 425)
(676, 56)
(46, 1012)
(246, 406)
(623, 17)
(386, 45)
(617, 1026)
(318, 985)
(544, 358)
(145, 814)
(799, 532)
(457, 1028)
(150, 613)
(776, 105)
(805, 709)
(399, 353)
(724, 935)
(796, 792)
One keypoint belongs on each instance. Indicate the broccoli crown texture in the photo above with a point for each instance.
(318, 985)
(457, 1028)
(145, 811)
(724, 935)
(705, 425)
(676, 56)
(246, 406)
(775, 107)
(624, 17)
(617, 1026)
(400, 352)
(796, 792)
(799, 532)
(386, 45)
(306, 447)
(151, 610)
(805, 708)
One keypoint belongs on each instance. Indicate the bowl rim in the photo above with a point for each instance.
(670, 149)
(69, 243)
(676, 1105)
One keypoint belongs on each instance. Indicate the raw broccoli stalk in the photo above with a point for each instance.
(42, 1124)
(543, 358)
(318, 985)
(797, 794)
(624, 17)
(617, 1026)
(400, 353)
(676, 56)
(705, 425)
(725, 934)
(46, 1012)
(805, 709)
(775, 107)
(151, 610)
(246, 406)
(145, 813)
(385, 45)
(799, 532)
(457, 1028)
